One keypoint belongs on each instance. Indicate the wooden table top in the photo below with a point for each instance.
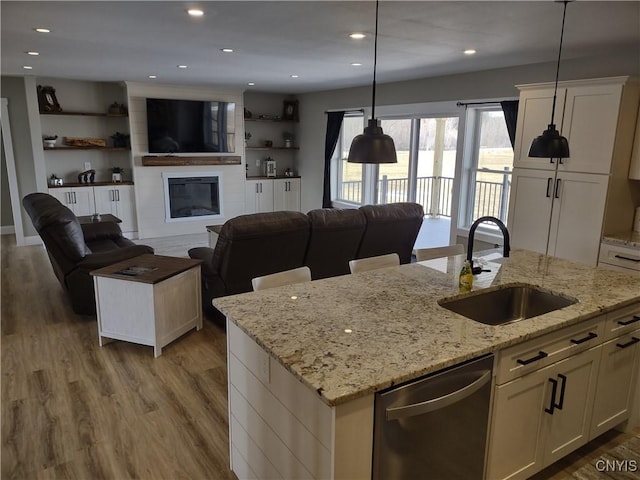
(147, 268)
(214, 228)
(104, 217)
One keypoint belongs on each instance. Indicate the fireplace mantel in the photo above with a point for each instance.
(162, 161)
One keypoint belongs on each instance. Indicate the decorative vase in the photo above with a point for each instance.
(116, 177)
(287, 143)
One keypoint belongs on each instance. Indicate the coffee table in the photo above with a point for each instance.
(149, 300)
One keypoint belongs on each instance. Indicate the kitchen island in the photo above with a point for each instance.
(306, 360)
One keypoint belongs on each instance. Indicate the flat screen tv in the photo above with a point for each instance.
(190, 126)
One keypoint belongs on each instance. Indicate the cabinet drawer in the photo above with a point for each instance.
(622, 321)
(533, 354)
(620, 256)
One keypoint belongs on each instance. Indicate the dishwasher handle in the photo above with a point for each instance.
(396, 413)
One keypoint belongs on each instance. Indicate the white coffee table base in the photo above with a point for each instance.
(148, 314)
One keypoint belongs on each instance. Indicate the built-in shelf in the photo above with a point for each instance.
(104, 149)
(88, 114)
(94, 184)
(156, 161)
(272, 148)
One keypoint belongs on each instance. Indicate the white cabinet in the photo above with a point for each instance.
(586, 113)
(117, 200)
(258, 196)
(79, 200)
(616, 381)
(622, 258)
(576, 219)
(534, 114)
(542, 416)
(286, 194)
(272, 195)
(634, 168)
(571, 202)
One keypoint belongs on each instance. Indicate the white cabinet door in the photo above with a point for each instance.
(78, 199)
(616, 383)
(514, 449)
(118, 201)
(530, 208)
(567, 427)
(578, 213)
(286, 194)
(590, 121)
(534, 115)
(258, 196)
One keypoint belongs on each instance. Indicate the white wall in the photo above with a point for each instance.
(493, 84)
(149, 192)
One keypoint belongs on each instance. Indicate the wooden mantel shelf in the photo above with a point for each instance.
(162, 161)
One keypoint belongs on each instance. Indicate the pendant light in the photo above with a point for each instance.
(373, 146)
(551, 144)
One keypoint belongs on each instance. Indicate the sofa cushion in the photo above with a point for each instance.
(335, 238)
(391, 228)
(259, 244)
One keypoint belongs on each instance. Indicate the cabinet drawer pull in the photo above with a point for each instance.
(554, 390)
(548, 195)
(539, 356)
(591, 336)
(622, 257)
(557, 192)
(562, 389)
(635, 319)
(633, 341)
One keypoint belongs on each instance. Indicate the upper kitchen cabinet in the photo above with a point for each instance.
(634, 169)
(596, 116)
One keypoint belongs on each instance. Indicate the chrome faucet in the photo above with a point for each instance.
(472, 231)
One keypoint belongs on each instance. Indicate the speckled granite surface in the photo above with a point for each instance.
(348, 336)
(629, 239)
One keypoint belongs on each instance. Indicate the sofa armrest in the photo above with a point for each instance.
(100, 230)
(94, 261)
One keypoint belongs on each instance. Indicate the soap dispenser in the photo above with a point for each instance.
(466, 277)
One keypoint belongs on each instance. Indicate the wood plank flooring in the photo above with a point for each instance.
(71, 409)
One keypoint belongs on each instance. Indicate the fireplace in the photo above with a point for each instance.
(192, 196)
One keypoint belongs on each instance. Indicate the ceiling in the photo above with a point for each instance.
(130, 40)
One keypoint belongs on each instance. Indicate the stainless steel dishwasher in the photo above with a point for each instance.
(434, 428)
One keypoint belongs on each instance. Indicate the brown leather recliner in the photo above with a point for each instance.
(250, 246)
(75, 250)
(335, 238)
(391, 228)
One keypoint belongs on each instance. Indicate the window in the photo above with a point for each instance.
(488, 165)
(348, 176)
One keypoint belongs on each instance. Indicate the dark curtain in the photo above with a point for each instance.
(334, 124)
(510, 109)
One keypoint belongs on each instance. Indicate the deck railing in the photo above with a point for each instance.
(435, 194)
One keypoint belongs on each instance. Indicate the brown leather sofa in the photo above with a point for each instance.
(75, 250)
(324, 240)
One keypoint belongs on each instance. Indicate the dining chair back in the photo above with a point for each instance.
(373, 263)
(437, 252)
(288, 277)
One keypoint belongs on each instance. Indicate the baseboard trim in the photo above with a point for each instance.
(7, 230)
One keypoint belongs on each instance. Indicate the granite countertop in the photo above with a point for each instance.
(352, 335)
(628, 239)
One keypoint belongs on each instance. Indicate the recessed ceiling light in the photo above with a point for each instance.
(153, 76)
(469, 51)
(251, 84)
(356, 64)
(226, 50)
(182, 66)
(27, 67)
(294, 76)
(357, 36)
(42, 30)
(195, 12)
(33, 53)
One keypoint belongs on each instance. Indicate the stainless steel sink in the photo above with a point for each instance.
(507, 304)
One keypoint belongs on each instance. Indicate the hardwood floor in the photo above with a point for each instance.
(71, 409)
